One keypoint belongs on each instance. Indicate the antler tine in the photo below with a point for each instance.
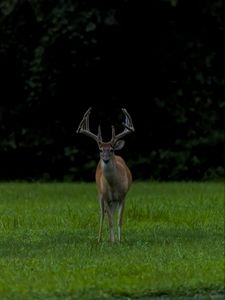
(113, 133)
(99, 133)
(84, 123)
(128, 121)
(84, 127)
(128, 127)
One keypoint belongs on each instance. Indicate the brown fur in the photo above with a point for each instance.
(112, 189)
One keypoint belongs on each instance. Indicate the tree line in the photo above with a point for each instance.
(163, 61)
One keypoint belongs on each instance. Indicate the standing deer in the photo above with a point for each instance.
(113, 177)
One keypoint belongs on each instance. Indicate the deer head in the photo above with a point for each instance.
(107, 148)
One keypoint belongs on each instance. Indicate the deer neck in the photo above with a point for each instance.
(109, 169)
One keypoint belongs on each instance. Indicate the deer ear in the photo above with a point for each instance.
(119, 145)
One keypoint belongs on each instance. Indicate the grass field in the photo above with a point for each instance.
(173, 243)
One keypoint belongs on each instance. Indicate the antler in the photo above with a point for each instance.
(128, 127)
(84, 127)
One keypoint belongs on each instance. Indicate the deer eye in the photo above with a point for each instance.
(101, 150)
(111, 150)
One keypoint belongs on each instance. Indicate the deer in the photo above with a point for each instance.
(113, 177)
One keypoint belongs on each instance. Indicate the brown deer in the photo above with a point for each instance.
(113, 177)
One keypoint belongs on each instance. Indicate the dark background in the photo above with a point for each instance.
(164, 60)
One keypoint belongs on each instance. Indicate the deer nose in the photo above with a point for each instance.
(106, 161)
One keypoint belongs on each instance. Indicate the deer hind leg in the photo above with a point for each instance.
(102, 215)
(120, 218)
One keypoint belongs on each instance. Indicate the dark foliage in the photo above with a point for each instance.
(164, 61)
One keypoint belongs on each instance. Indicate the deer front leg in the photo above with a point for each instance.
(110, 217)
(102, 214)
(120, 219)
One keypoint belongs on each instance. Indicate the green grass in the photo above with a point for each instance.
(173, 242)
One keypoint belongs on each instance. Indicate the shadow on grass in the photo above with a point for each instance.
(171, 235)
(26, 245)
(89, 296)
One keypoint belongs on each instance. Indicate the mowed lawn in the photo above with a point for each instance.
(173, 243)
